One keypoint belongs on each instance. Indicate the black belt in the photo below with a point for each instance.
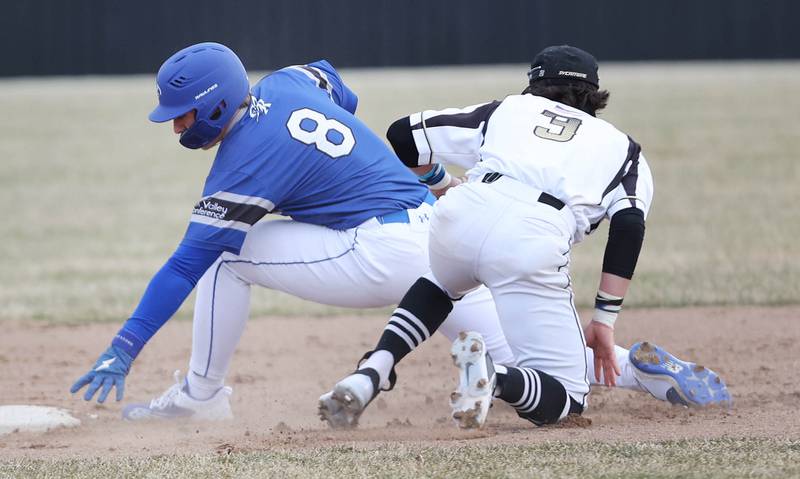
(545, 198)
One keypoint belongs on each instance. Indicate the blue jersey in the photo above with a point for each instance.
(299, 151)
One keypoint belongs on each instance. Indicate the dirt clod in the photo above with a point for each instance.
(225, 449)
(575, 420)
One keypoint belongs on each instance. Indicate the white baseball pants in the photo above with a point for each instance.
(371, 265)
(498, 234)
(368, 266)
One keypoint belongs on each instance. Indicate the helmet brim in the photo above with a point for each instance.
(162, 113)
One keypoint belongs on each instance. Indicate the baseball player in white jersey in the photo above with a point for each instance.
(544, 171)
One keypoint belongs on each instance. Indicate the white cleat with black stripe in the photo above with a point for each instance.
(342, 406)
(477, 380)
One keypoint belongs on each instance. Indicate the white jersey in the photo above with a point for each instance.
(583, 161)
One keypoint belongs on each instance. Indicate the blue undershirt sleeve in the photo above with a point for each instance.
(164, 295)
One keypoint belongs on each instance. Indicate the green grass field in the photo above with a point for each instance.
(96, 198)
(722, 458)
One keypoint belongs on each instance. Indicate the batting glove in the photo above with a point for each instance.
(108, 372)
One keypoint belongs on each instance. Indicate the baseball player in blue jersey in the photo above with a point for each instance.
(290, 145)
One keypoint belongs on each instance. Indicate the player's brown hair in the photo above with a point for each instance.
(577, 95)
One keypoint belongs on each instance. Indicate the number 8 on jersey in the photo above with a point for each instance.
(313, 128)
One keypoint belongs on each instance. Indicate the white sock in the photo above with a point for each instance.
(626, 380)
(381, 361)
(499, 369)
(201, 388)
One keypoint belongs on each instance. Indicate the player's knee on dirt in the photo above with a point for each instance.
(553, 403)
(521, 393)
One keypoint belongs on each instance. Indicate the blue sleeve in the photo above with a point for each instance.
(232, 203)
(164, 295)
(342, 95)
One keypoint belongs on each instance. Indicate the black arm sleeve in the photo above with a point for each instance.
(625, 237)
(401, 139)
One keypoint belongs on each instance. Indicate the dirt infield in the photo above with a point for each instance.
(283, 364)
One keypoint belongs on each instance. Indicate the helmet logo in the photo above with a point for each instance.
(535, 72)
(158, 89)
(572, 74)
(206, 91)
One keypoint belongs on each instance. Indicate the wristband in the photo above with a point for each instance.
(437, 178)
(444, 183)
(606, 308)
(128, 342)
(433, 172)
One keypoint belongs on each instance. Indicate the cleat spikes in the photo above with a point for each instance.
(473, 397)
(342, 407)
(683, 383)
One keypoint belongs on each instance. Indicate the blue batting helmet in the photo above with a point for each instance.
(207, 77)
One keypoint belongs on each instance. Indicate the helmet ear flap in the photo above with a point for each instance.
(200, 134)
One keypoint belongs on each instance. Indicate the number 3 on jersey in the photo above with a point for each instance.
(329, 136)
(565, 127)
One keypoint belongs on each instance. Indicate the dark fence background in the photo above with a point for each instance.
(69, 37)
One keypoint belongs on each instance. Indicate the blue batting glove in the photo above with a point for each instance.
(108, 372)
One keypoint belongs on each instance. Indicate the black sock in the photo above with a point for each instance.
(420, 313)
(537, 396)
